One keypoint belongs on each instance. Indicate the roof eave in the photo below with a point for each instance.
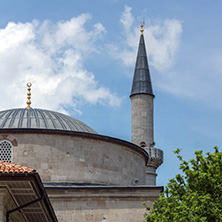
(140, 93)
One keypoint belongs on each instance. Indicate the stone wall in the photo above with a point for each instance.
(116, 204)
(75, 159)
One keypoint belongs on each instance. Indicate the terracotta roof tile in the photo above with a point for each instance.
(13, 168)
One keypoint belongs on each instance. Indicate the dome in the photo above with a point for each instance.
(41, 119)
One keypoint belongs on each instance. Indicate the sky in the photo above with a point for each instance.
(80, 58)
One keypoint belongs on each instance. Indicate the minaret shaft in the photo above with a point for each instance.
(142, 120)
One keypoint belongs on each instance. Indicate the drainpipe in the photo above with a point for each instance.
(23, 206)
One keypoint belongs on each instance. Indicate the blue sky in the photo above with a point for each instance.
(80, 57)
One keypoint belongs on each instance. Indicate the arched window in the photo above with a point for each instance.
(143, 144)
(6, 151)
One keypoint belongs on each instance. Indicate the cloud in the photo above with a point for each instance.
(51, 56)
(127, 19)
(162, 36)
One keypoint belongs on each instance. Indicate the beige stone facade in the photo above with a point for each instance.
(76, 159)
(102, 204)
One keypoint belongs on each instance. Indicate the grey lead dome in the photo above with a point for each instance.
(40, 119)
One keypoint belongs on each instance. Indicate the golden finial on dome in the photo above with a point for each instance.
(29, 95)
(142, 24)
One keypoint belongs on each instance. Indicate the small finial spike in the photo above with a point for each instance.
(142, 24)
(29, 96)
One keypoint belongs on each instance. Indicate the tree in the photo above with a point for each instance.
(194, 196)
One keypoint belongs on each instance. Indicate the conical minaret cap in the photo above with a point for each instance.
(141, 80)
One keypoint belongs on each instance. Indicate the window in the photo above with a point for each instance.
(143, 144)
(5, 151)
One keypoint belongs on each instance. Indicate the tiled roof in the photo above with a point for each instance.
(13, 168)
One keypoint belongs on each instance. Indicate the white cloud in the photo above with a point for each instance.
(127, 19)
(163, 42)
(162, 38)
(51, 57)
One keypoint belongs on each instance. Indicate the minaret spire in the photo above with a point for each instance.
(141, 80)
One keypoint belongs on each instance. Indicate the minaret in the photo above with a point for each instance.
(142, 112)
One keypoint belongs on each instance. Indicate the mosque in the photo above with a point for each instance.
(79, 175)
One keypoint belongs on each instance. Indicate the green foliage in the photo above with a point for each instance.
(195, 196)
